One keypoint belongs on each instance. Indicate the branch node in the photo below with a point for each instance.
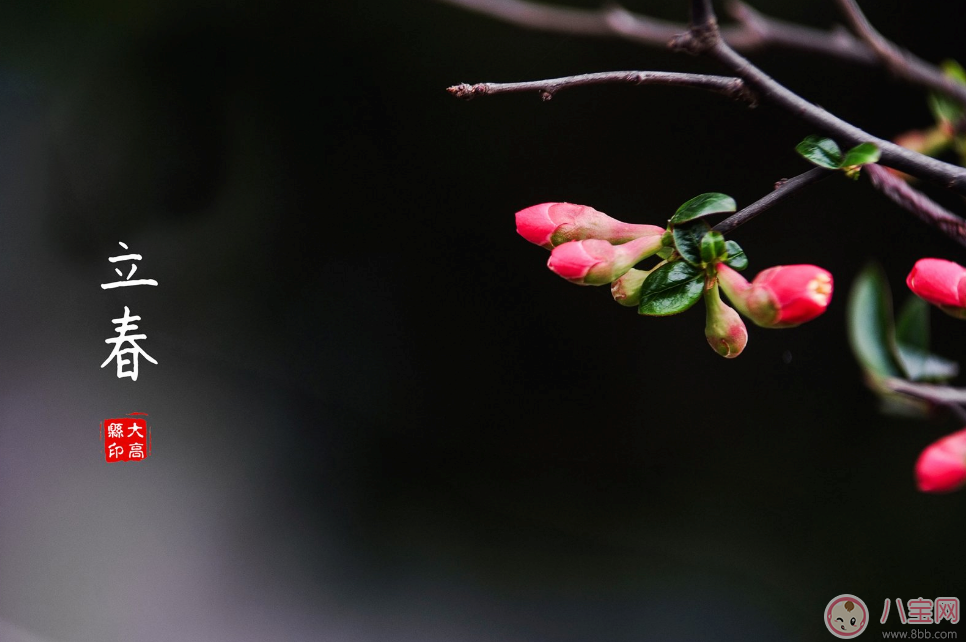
(698, 39)
(467, 91)
(745, 93)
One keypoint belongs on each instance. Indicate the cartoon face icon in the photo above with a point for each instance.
(846, 616)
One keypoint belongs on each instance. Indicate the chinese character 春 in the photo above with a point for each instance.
(134, 351)
(127, 280)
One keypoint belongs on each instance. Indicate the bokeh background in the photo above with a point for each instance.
(376, 414)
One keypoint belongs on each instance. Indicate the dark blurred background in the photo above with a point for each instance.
(376, 414)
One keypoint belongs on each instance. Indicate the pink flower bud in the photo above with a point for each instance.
(724, 329)
(941, 283)
(780, 297)
(551, 224)
(596, 262)
(942, 466)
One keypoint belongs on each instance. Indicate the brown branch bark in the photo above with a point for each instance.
(783, 189)
(914, 201)
(902, 63)
(754, 31)
(727, 85)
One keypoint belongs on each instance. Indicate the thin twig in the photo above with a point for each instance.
(727, 85)
(533, 15)
(923, 207)
(902, 63)
(758, 31)
(754, 31)
(952, 399)
(783, 189)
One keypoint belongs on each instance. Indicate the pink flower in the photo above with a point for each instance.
(551, 224)
(596, 262)
(941, 283)
(724, 329)
(942, 466)
(780, 297)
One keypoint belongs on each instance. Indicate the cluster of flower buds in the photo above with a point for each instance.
(589, 247)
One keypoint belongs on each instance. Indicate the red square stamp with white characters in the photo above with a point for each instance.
(126, 438)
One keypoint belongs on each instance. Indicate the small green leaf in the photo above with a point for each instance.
(870, 323)
(954, 71)
(703, 205)
(687, 240)
(824, 152)
(861, 155)
(736, 256)
(712, 247)
(944, 109)
(670, 289)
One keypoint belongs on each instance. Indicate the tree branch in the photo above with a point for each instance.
(754, 31)
(902, 63)
(727, 85)
(544, 17)
(952, 399)
(783, 189)
(923, 207)
(758, 31)
(950, 176)
(702, 15)
(704, 39)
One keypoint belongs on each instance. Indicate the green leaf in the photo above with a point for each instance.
(925, 366)
(912, 324)
(944, 109)
(712, 247)
(736, 256)
(687, 240)
(670, 289)
(824, 152)
(912, 345)
(861, 154)
(954, 71)
(703, 205)
(871, 334)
